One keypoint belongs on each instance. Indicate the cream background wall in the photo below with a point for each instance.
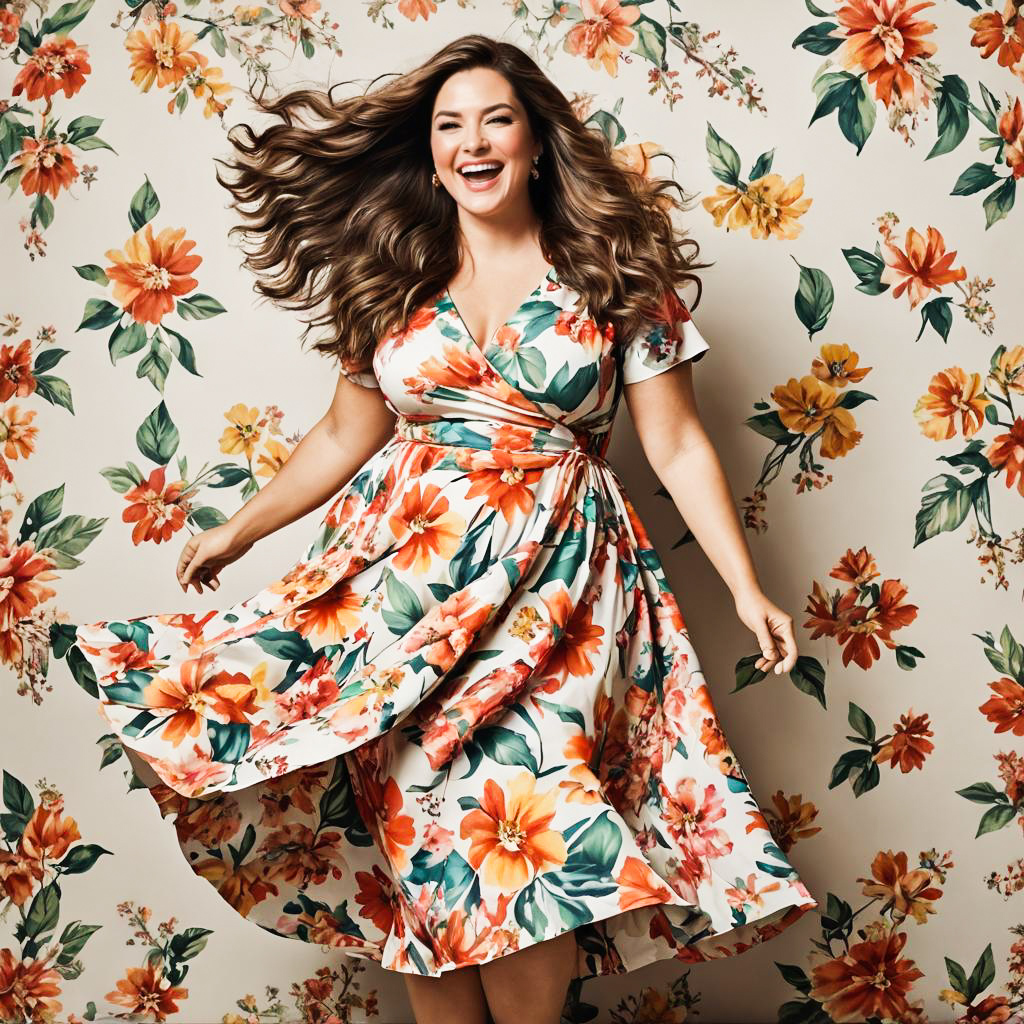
(966, 889)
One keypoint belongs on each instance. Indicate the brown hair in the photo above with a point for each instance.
(348, 211)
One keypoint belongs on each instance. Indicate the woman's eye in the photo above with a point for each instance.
(493, 120)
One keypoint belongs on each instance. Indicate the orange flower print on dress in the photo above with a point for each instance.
(510, 837)
(426, 527)
(469, 718)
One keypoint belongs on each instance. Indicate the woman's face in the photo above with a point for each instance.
(477, 119)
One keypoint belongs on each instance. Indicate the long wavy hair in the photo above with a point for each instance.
(343, 206)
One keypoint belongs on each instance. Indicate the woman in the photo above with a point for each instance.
(467, 734)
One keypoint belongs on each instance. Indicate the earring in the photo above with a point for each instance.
(436, 180)
(534, 173)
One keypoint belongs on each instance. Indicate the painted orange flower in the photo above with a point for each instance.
(447, 629)
(908, 746)
(330, 616)
(906, 893)
(160, 55)
(768, 206)
(17, 434)
(58, 64)
(242, 887)
(639, 886)
(244, 433)
(953, 396)
(208, 85)
(299, 8)
(23, 572)
(431, 528)
(925, 266)
(809, 405)
(9, 23)
(28, 988)
(884, 39)
(504, 480)
(871, 980)
(1006, 707)
(158, 512)
(693, 818)
(384, 803)
(48, 835)
(1006, 452)
(412, 8)
(458, 944)
(142, 990)
(298, 855)
(186, 699)
(1008, 372)
(1011, 130)
(509, 835)
(16, 377)
(602, 34)
(47, 166)
(377, 898)
(150, 272)
(579, 637)
(837, 366)
(274, 456)
(792, 820)
(1003, 32)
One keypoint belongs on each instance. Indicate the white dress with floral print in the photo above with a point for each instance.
(470, 718)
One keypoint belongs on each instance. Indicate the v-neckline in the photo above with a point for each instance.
(482, 349)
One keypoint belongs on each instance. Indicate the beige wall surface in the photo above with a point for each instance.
(855, 166)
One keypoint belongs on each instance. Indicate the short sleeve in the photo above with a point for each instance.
(656, 347)
(365, 378)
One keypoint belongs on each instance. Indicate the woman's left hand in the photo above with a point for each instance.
(773, 629)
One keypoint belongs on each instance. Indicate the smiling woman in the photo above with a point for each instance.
(466, 734)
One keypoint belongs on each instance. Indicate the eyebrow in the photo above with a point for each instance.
(486, 110)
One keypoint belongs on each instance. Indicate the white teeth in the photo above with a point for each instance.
(478, 167)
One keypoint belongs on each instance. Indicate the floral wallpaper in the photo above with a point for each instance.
(854, 167)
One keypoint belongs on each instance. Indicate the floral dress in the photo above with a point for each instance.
(470, 718)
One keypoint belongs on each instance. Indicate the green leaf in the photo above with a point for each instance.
(819, 39)
(952, 104)
(982, 976)
(723, 159)
(145, 205)
(80, 858)
(814, 298)
(977, 177)
(999, 201)
(99, 313)
(92, 272)
(943, 510)
(42, 509)
(861, 722)
(199, 307)
(157, 436)
(995, 818)
(125, 341)
(505, 747)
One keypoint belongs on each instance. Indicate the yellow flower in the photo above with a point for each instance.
(244, 434)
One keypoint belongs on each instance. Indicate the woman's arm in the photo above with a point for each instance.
(357, 424)
(664, 412)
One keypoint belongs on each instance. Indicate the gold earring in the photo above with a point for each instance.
(534, 173)
(436, 180)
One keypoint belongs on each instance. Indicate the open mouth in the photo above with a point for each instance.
(482, 171)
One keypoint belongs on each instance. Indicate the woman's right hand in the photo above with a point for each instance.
(206, 553)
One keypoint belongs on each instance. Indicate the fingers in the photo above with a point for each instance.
(778, 647)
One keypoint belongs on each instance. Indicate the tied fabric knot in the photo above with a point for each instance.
(523, 437)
